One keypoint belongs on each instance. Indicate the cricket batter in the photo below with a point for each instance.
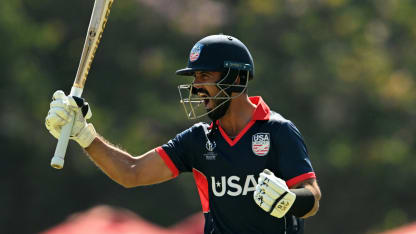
(250, 165)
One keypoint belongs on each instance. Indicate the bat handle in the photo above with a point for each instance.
(58, 159)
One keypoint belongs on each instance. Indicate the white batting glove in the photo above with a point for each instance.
(62, 109)
(273, 195)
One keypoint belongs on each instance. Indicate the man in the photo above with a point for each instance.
(250, 165)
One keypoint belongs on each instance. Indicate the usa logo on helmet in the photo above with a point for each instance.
(195, 52)
(260, 143)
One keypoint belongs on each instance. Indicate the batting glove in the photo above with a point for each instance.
(62, 110)
(273, 195)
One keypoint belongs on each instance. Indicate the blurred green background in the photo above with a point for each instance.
(342, 70)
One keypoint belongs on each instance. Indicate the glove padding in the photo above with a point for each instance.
(62, 110)
(273, 195)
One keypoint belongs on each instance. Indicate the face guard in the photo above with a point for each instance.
(194, 104)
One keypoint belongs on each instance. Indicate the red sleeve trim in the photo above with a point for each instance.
(300, 178)
(168, 161)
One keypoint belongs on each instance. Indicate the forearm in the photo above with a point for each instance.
(317, 197)
(307, 200)
(115, 163)
(304, 203)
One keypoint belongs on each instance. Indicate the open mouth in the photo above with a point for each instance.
(204, 97)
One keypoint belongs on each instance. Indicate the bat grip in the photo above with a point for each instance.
(58, 159)
(59, 156)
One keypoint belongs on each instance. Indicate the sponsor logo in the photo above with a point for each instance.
(195, 52)
(233, 185)
(260, 144)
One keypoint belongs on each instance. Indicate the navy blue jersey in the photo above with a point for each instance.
(226, 170)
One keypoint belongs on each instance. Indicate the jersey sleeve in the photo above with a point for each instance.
(293, 162)
(175, 153)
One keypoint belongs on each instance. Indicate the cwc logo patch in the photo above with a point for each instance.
(195, 52)
(210, 146)
(260, 144)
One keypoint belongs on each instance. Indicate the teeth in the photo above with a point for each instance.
(203, 95)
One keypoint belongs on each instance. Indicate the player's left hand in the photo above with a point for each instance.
(273, 195)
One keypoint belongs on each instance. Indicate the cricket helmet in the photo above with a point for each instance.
(216, 53)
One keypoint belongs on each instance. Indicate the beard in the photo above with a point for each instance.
(221, 107)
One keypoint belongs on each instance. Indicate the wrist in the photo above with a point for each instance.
(86, 136)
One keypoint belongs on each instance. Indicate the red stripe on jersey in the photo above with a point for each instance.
(241, 134)
(262, 112)
(300, 178)
(202, 185)
(168, 161)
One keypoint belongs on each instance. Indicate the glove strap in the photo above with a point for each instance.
(277, 201)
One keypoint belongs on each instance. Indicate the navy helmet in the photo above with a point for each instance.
(218, 53)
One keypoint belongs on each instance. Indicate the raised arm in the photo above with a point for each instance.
(125, 169)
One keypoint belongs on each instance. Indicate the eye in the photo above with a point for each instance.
(201, 77)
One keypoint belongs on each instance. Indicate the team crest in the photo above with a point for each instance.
(195, 52)
(260, 144)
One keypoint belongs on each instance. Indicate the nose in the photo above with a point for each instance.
(196, 84)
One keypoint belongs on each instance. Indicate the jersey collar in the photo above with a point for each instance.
(262, 111)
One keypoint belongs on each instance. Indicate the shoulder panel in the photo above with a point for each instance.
(276, 117)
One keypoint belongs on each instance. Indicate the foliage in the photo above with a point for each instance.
(342, 70)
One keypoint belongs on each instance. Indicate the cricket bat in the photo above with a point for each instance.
(96, 27)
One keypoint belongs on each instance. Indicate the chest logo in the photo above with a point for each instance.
(260, 144)
(233, 185)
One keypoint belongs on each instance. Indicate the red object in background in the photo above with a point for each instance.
(108, 220)
(407, 229)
